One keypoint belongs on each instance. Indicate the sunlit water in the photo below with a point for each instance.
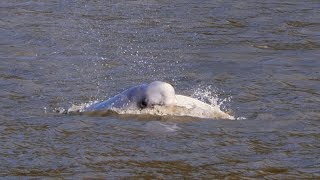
(258, 60)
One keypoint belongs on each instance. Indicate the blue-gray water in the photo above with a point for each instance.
(263, 55)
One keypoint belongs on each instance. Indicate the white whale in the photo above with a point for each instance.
(156, 98)
(139, 97)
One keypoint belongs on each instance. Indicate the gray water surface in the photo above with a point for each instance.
(262, 55)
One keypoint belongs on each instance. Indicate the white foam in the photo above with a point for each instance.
(81, 107)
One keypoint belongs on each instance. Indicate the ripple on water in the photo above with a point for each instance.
(306, 45)
(158, 127)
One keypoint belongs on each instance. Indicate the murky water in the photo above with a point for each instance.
(261, 57)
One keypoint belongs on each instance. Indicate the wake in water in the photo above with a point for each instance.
(157, 98)
(161, 127)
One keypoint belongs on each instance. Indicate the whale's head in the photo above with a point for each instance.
(159, 93)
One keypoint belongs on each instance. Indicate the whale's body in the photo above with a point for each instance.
(128, 99)
(155, 98)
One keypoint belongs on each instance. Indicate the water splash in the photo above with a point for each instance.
(81, 107)
(211, 96)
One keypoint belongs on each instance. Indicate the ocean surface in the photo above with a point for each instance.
(256, 60)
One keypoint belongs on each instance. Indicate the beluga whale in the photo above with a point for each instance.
(156, 98)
